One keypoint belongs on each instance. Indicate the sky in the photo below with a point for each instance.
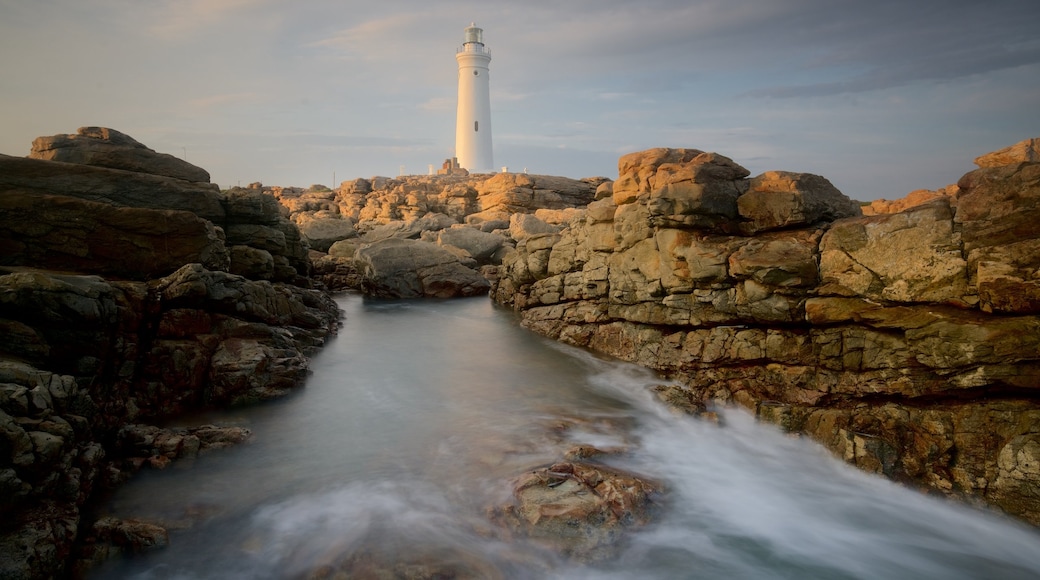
(881, 97)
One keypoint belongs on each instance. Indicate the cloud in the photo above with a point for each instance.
(439, 104)
(176, 19)
(383, 39)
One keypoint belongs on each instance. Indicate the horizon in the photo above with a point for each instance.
(880, 99)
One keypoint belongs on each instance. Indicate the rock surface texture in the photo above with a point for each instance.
(475, 219)
(908, 343)
(121, 305)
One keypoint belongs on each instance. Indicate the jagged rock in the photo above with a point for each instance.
(997, 216)
(399, 268)
(252, 263)
(637, 172)
(521, 193)
(109, 148)
(96, 354)
(133, 536)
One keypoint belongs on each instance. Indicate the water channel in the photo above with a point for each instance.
(418, 414)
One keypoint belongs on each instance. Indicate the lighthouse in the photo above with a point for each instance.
(473, 116)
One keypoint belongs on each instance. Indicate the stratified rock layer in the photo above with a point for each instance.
(908, 343)
(127, 298)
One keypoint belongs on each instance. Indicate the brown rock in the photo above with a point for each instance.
(112, 186)
(782, 199)
(579, 509)
(912, 256)
(1027, 151)
(66, 233)
(637, 171)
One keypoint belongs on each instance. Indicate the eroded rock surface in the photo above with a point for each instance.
(131, 290)
(905, 342)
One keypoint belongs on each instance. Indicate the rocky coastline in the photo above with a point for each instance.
(904, 336)
(906, 343)
(132, 290)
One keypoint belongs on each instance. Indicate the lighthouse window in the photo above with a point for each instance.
(475, 123)
(476, 72)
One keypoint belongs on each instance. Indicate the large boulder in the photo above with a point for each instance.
(400, 268)
(20, 176)
(700, 193)
(637, 172)
(913, 256)
(105, 147)
(482, 246)
(321, 231)
(997, 216)
(783, 199)
(66, 233)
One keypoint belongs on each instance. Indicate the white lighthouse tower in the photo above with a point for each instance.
(473, 118)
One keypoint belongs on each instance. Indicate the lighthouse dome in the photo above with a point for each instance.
(474, 34)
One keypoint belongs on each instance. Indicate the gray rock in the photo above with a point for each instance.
(105, 147)
(399, 268)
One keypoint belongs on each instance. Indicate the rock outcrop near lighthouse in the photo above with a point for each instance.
(907, 343)
(427, 235)
(131, 290)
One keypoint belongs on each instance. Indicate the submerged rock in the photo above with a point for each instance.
(580, 510)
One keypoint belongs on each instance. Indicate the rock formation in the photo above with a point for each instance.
(105, 147)
(578, 509)
(907, 343)
(127, 298)
(476, 219)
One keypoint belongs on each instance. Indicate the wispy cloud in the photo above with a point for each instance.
(374, 40)
(439, 104)
(177, 19)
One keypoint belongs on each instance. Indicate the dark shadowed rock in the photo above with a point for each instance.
(105, 147)
(113, 186)
(66, 233)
